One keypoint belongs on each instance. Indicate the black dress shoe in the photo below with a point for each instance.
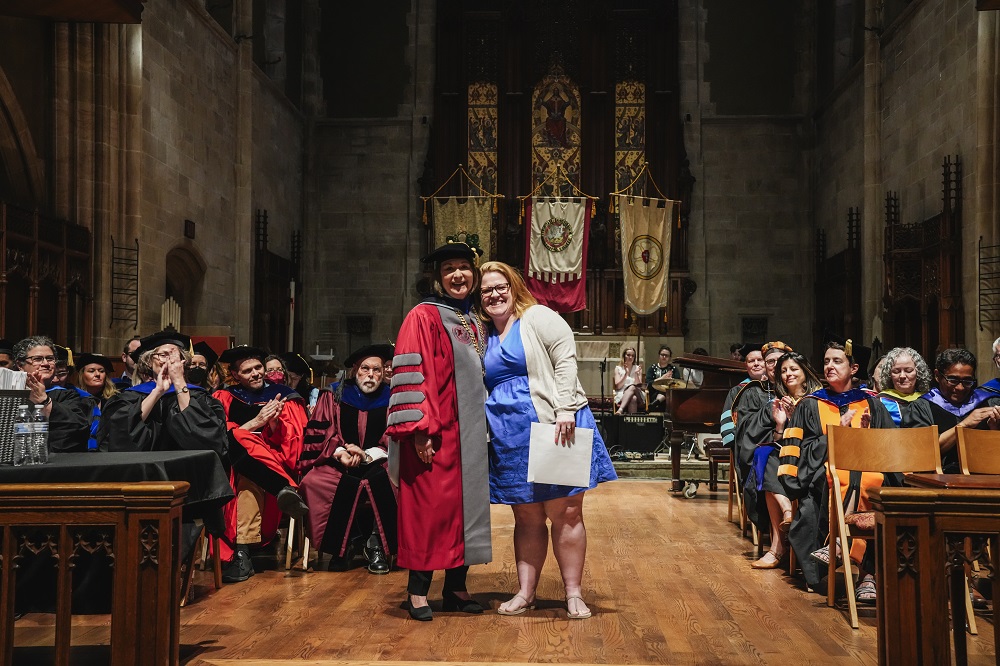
(290, 502)
(378, 561)
(343, 563)
(423, 613)
(240, 567)
(452, 603)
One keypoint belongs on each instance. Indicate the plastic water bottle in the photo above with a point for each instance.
(22, 436)
(41, 436)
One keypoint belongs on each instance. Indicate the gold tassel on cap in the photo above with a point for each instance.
(848, 348)
(69, 358)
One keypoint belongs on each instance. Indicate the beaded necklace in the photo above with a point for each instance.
(477, 336)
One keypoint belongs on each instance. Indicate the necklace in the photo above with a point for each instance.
(477, 335)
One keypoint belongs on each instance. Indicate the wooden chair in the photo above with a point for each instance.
(290, 545)
(870, 450)
(977, 454)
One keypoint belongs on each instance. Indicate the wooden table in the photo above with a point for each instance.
(921, 536)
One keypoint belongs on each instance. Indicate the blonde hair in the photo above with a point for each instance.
(519, 294)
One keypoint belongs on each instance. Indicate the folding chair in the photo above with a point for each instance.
(870, 450)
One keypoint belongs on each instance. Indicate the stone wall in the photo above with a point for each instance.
(188, 159)
(364, 234)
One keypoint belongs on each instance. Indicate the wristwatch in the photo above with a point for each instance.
(183, 390)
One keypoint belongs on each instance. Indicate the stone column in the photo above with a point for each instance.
(987, 177)
(872, 237)
(243, 225)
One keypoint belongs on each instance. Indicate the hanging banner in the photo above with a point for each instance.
(464, 219)
(645, 234)
(556, 252)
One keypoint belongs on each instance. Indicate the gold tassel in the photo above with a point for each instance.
(849, 348)
(520, 217)
(496, 205)
(425, 213)
(69, 358)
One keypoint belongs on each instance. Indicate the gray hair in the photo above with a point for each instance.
(923, 371)
(22, 348)
(144, 366)
(996, 343)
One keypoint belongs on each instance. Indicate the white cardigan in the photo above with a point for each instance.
(550, 352)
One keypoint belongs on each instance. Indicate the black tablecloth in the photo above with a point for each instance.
(202, 469)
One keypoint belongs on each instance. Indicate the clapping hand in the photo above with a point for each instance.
(36, 386)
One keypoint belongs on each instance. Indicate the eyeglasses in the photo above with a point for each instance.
(36, 360)
(499, 289)
(967, 382)
(771, 363)
(163, 355)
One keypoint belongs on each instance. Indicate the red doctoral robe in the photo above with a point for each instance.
(438, 390)
(278, 446)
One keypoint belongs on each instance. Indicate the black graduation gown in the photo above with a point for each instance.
(69, 421)
(202, 426)
(928, 413)
(752, 427)
(809, 485)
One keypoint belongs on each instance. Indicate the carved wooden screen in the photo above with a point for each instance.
(923, 295)
(574, 82)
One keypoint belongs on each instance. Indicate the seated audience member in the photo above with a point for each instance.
(64, 367)
(163, 412)
(803, 455)
(904, 377)
(300, 378)
(735, 353)
(992, 385)
(387, 372)
(628, 384)
(876, 378)
(956, 403)
(7, 354)
(265, 423)
(94, 377)
(275, 370)
(691, 376)
(754, 362)
(750, 412)
(795, 379)
(352, 468)
(204, 361)
(125, 380)
(662, 368)
(68, 414)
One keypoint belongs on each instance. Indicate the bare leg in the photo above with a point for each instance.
(531, 544)
(775, 513)
(630, 399)
(569, 544)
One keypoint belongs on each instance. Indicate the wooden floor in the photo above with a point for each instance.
(668, 580)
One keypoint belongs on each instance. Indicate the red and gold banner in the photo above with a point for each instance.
(556, 252)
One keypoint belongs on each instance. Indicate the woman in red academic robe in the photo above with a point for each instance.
(438, 426)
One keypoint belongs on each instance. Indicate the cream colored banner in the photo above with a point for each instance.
(557, 235)
(645, 233)
(467, 220)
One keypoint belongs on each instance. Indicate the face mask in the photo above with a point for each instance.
(277, 377)
(197, 375)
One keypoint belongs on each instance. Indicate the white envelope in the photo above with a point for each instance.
(553, 463)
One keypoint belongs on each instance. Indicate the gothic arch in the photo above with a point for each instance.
(185, 277)
(18, 156)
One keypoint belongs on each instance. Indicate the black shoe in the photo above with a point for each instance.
(343, 563)
(423, 613)
(290, 502)
(240, 567)
(378, 561)
(452, 603)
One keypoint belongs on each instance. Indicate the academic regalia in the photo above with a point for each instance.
(277, 447)
(946, 416)
(333, 491)
(752, 396)
(316, 430)
(993, 386)
(201, 426)
(903, 408)
(69, 420)
(727, 428)
(802, 471)
(437, 389)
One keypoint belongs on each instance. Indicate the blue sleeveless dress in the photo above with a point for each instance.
(509, 413)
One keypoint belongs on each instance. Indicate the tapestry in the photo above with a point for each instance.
(466, 220)
(555, 134)
(556, 252)
(630, 131)
(645, 233)
(483, 135)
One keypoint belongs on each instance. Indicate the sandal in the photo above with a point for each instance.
(528, 605)
(866, 591)
(823, 555)
(576, 616)
(769, 560)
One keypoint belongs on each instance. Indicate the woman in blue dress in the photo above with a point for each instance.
(531, 376)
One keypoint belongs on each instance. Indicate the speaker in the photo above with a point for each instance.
(639, 433)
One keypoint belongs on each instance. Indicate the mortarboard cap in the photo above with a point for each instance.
(242, 352)
(84, 359)
(383, 351)
(453, 250)
(204, 349)
(64, 355)
(862, 355)
(166, 336)
(749, 347)
(6, 347)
